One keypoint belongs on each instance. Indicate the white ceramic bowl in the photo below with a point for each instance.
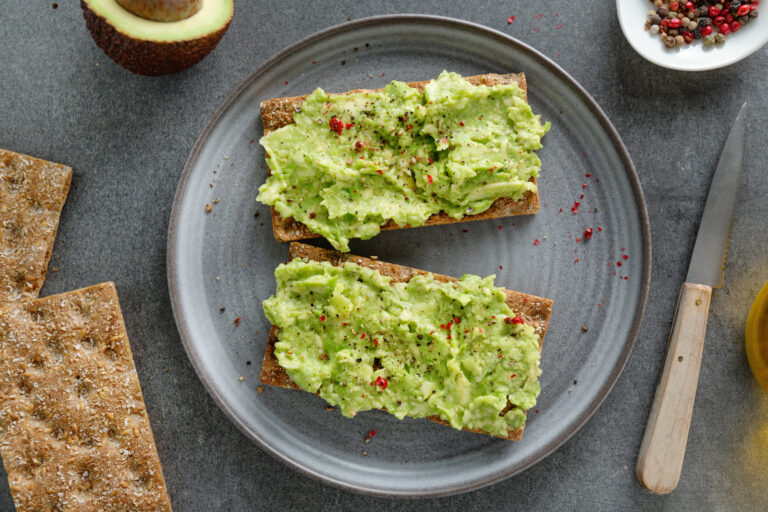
(692, 57)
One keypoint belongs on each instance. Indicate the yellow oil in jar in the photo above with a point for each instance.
(757, 337)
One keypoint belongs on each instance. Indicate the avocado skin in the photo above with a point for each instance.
(149, 57)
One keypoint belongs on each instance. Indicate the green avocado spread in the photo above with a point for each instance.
(350, 163)
(420, 348)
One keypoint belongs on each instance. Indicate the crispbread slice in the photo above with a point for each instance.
(534, 310)
(32, 194)
(74, 432)
(278, 112)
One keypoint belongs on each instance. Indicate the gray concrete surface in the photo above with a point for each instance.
(127, 138)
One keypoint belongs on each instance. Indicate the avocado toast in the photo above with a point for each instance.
(525, 322)
(425, 153)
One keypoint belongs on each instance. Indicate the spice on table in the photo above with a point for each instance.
(681, 23)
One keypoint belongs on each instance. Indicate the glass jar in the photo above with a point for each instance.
(757, 337)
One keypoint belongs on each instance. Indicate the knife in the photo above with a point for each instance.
(661, 453)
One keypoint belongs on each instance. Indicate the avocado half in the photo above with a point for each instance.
(150, 47)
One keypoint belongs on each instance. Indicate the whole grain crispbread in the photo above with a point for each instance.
(32, 194)
(278, 112)
(534, 310)
(74, 432)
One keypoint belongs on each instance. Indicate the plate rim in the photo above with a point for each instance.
(610, 130)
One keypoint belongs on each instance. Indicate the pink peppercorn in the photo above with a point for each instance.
(725, 29)
(336, 125)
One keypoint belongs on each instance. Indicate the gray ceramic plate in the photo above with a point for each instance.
(220, 264)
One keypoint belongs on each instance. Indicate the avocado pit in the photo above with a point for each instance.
(162, 10)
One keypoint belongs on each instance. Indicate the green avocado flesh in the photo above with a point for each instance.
(418, 349)
(350, 163)
(212, 16)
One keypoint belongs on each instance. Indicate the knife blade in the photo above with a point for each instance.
(660, 460)
(708, 259)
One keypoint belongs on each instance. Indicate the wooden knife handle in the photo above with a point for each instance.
(661, 453)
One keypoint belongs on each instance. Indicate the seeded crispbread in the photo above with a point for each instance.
(278, 112)
(32, 194)
(74, 432)
(534, 310)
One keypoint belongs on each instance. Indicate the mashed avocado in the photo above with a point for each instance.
(350, 163)
(418, 349)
